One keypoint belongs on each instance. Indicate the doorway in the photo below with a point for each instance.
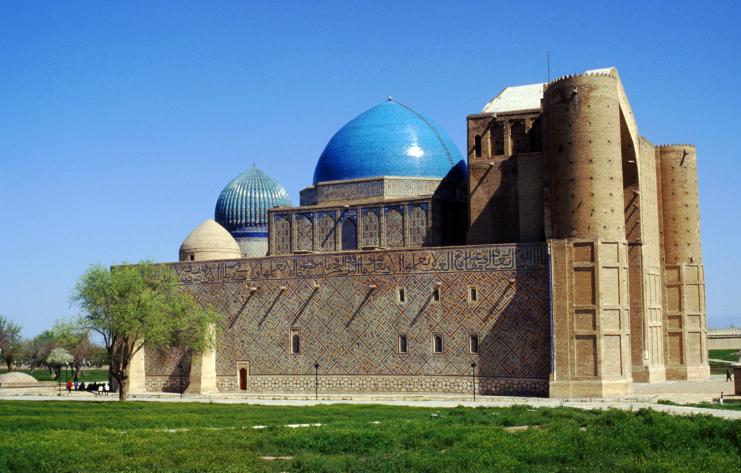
(243, 379)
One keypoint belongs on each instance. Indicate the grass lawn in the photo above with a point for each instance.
(723, 355)
(42, 374)
(183, 437)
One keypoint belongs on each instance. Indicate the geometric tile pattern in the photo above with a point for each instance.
(351, 328)
(282, 235)
(417, 226)
(304, 234)
(394, 228)
(169, 362)
(371, 229)
(326, 232)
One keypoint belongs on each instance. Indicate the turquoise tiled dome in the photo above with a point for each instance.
(243, 205)
(390, 139)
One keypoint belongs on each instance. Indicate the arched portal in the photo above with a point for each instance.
(243, 379)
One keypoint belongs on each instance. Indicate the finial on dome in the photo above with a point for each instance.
(390, 99)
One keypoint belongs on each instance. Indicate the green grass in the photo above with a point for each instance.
(728, 404)
(101, 436)
(723, 355)
(96, 375)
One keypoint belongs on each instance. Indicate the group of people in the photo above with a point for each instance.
(100, 388)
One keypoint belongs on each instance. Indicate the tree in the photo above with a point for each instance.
(58, 357)
(75, 339)
(46, 342)
(138, 306)
(11, 342)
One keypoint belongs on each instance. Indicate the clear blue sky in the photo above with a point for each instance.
(120, 122)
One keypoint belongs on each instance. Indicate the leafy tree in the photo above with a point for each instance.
(46, 342)
(11, 342)
(137, 306)
(58, 357)
(75, 340)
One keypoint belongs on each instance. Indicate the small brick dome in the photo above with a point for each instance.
(209, 241)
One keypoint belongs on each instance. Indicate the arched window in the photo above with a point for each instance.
(402, 343)
(474, 344)
(349, 235)
(296, 344)
(473, 295)
(438, 344)
(496, 140)
(518, 138)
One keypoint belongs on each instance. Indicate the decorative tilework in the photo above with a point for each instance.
(351, 329)
(305, 234)
(326, 232)
(394, 228)
(282, 235)
(371, 229)
(329, 384)
(166, 362)
(417, 226)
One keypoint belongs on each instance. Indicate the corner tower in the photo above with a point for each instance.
(684, 275)
(589, 252)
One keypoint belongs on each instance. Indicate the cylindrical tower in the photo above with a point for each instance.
(681, 204)
(242, 208)
(591, 320)
(584, 128)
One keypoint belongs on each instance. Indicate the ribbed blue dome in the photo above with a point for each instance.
(390, 139)
(244, 202)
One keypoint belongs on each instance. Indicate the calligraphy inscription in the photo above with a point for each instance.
(477, 258)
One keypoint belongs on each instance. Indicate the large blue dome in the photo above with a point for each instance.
(244, 202)
(390, 139)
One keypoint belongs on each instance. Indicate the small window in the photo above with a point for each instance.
(192, 257)
(437, 344)
(473, 344)
(401, 295)
(473, 295)
(435, 295)
(402, 343)
(477, 146)
(295, 343)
